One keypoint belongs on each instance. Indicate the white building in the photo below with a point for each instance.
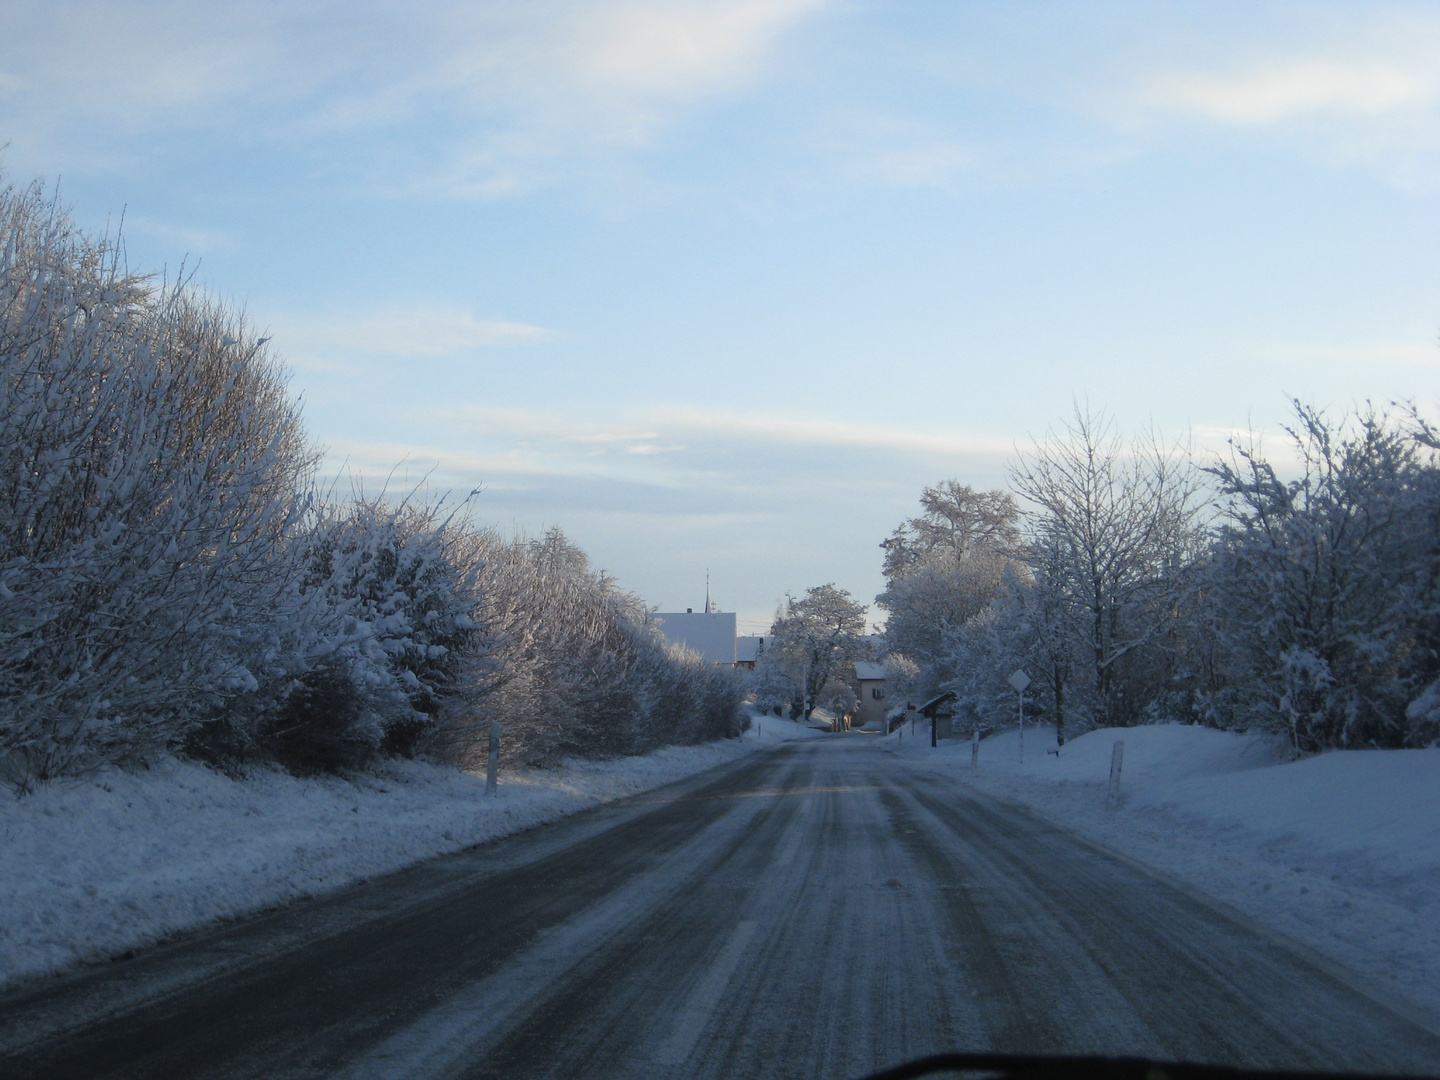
(711, 634)
(747, 651)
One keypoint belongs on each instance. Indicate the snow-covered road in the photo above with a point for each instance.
(820, 910)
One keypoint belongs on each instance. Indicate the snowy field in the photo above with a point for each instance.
(1340, 851)
(90, 869)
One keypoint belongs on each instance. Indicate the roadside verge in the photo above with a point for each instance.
(94, 868)
(1340, 851)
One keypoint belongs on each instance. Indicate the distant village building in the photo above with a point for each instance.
(747, 651)
(709, 633)
(869, 686)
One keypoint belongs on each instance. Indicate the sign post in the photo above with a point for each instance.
(1117, 762)
(1019, 680)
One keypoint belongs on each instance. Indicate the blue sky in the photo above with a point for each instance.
(724, 284)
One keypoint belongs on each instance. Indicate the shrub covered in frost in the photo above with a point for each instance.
(572, 665)
(371, 643)
(151, 463)
(169, 579)
(1308, 604)
(1325, 586)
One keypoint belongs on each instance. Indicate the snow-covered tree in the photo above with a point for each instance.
(955, 518)
(904, 685)
(943, 568)
(1325, 585)
(814, 641)
(1112, 530)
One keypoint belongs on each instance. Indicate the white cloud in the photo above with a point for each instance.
(519, 87)
(1290, 87)
(409, 463)
(683, 464)
(1366, 90)
(675, 48)
(811, 431)
(556, 87)
(674, 428)
(156, 63)
(420, 331)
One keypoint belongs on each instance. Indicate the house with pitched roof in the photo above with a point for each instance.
(869, 687)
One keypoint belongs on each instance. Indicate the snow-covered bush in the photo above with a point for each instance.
(572, 665)
(372, 643)
(1310, 606)
(152, 465)
(1325, 586)
(170, 579)
(838, 698)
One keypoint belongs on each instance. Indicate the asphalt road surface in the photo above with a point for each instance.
(816, 911)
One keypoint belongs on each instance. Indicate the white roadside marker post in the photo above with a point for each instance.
(1117, 761)
(975, 749)
(1019, 680)
(492, 777)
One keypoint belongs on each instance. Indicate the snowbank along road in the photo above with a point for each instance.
(815, 911)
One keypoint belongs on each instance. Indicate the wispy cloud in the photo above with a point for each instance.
(670, 428)
(97, 75)
(790, 429)
(1365, 90)
(433, 332)
(409, 463)
(1288, 88)
(519, 88)
(677, 48)
(769, 466)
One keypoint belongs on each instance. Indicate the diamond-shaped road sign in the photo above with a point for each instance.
(1020, 680)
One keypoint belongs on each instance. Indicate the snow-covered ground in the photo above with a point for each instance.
(1340, 851)
(92, 868)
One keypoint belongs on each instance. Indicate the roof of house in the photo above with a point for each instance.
(868, 670)
(747, 649)
(711, 634)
